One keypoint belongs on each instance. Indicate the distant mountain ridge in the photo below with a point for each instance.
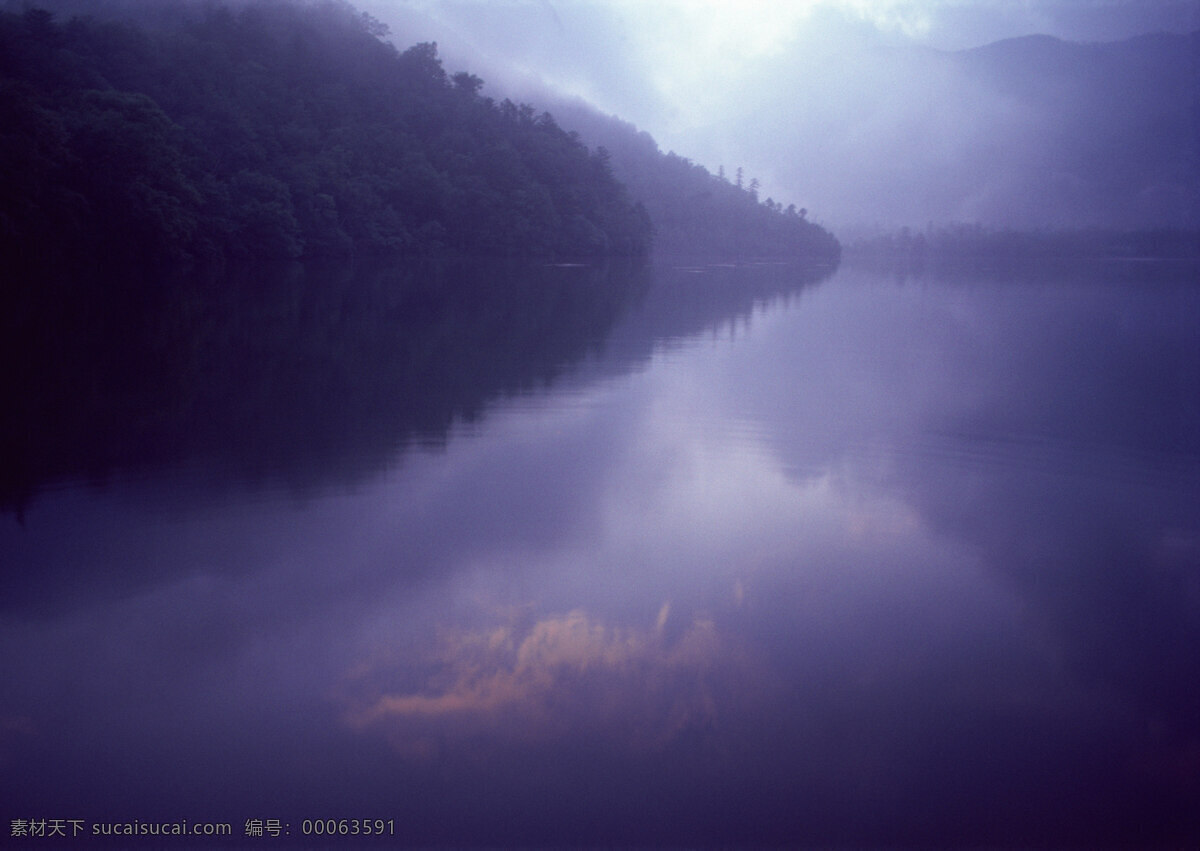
(1029, 132)
(1117, 124)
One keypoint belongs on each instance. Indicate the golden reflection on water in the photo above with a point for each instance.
(529, 680)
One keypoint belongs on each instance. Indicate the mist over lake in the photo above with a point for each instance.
(392, 455)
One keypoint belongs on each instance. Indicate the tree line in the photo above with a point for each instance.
(695, 211)
(974, 240)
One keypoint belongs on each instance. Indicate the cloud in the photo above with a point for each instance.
(564, 675)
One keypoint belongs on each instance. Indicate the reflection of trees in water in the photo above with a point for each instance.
(305, 377)
(688, 299)
(302, 376)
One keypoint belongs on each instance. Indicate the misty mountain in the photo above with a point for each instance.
(276, 129)
(1110, 130)
(874, 113)
(1030, 132)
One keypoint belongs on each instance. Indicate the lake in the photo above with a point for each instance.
(681, 554)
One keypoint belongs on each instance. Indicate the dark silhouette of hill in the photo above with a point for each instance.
(279, 130)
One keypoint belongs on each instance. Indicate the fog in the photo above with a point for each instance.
(881, 113)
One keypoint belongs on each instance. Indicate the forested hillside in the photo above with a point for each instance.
(694, 210)
(278, 130)
(298, 130)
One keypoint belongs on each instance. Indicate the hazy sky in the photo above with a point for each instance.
(720, 81)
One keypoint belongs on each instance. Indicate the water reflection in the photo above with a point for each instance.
(285, 375)
(555, 677)
(760, 562)
(309, 377)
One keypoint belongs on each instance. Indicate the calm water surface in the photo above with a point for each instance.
(678, 555)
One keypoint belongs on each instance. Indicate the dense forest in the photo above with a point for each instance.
(280, 130)
(297, 130)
